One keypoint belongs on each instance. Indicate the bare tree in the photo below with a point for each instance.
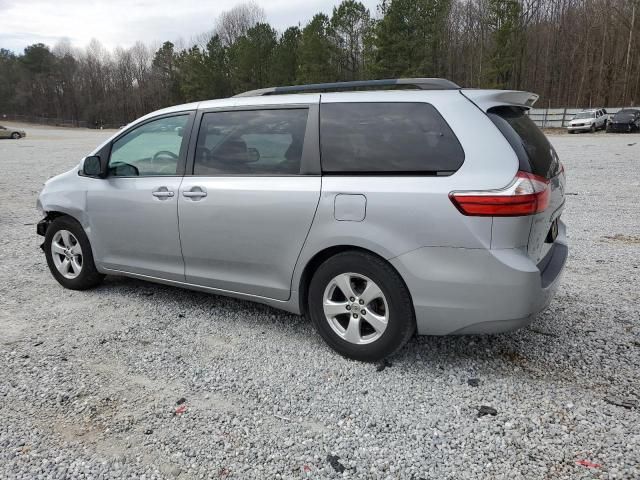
(234, 23)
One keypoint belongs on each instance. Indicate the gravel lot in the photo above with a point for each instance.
(92, 383)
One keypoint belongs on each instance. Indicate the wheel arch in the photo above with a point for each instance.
(50, 216)
(319, 257)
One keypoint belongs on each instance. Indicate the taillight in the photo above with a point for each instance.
(528, 194)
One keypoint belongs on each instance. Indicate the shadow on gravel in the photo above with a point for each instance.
(511, 354)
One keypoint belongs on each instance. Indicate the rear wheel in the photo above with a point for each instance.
(69, 255)
(360, 306)
(15, 135)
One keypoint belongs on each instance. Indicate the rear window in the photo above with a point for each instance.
(392, 138)
(535, 153)
(626, 114)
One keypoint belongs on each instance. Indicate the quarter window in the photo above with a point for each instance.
(251, 142)
(150, 149)
(393, 138)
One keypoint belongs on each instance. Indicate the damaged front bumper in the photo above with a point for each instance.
(41, 227)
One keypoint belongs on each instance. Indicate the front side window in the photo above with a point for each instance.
(150, 149)
(251, 142)
(392, 138)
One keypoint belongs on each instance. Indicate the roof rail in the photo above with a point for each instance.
(419, 83)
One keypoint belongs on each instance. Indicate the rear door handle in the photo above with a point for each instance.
(195, 193)
(162, 193)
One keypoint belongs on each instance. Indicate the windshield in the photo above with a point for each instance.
(584, 115)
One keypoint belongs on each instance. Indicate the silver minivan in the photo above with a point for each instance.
(376, 208)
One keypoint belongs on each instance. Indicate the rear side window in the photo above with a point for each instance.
(393, 138)
(251, 142)
(535, 153)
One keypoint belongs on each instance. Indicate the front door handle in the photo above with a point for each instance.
(162, 193)
(196, 193)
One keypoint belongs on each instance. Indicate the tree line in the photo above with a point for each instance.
(574, 53)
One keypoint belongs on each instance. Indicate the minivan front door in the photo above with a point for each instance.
(247, 209)
(133, 213)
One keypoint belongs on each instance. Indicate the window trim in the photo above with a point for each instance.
(310, 161)
(393, 173)
(182, 156)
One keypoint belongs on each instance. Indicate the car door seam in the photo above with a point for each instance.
(184, 263)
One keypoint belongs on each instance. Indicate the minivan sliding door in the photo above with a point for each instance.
(245, 212)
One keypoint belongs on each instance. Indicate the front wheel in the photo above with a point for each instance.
(15, 135)
(593, 128)
(69, 255)
(360, 306)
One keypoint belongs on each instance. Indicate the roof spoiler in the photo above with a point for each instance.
(486, 99)
(419, 83)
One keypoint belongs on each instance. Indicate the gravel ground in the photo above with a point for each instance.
(135, 380)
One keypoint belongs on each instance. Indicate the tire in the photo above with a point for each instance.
(16, 135)
(367, 343)
(81, 272)
(592, 129)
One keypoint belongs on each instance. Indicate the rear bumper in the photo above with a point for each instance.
(473, 291)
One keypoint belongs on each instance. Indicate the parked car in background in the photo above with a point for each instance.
(626, 120)
(11, 133)
(588, 121)
(374, 213)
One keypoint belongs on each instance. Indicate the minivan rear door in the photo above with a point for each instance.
(537, 156)
(508, 111)
(248, 202)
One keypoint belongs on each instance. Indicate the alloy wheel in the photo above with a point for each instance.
(66, 253)
(356, 308)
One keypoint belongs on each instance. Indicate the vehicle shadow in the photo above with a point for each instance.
(507, 354)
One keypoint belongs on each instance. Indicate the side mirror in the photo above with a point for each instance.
(179, 131)
(94, 167)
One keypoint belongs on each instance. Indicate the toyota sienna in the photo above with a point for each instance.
(376, 208)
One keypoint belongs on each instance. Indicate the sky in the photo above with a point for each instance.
(123, 22)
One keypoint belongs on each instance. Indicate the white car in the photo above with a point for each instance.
(589, 121)
(11, 133)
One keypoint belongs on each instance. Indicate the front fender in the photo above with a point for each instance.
(65, 194)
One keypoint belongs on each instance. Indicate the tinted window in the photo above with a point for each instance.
(534, 151)
(256, 142)
(626, 115)
(387, 138)
(151, 149)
